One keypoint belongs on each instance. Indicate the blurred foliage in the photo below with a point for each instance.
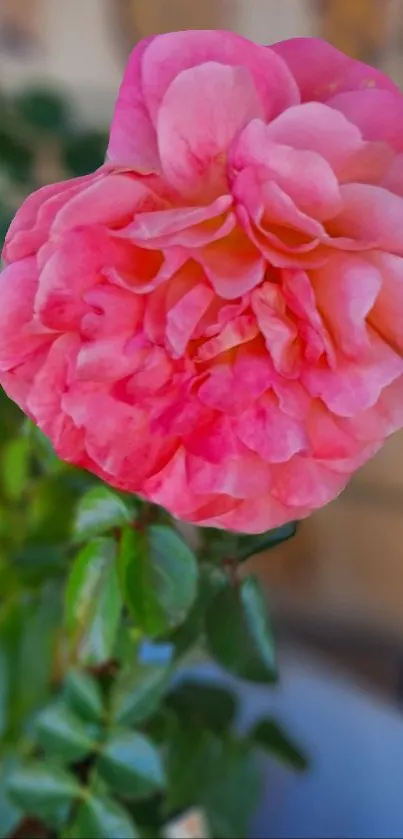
(102, 607)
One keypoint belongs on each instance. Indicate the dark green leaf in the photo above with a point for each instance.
(159, 574)
(220, 776)
(131, 764)
(9, 814)
(250, 545)
(207, 705)
(83, 694)
(62, 734)
(16, 157)
(269, 735)
(44, 110)
(99, 511)
(85, 152)
(100, 817)
(138, 691)
(220, 544)
(191, 632)
(93, 602)
(239, 632)
(43, 790)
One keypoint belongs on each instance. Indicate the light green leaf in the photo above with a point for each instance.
(16, 467)
(62, 734)
(239, 633)
(99, 511)
(100, 817)
(43, 790)
(138, 691)
(272, 737)
(131, 764)
(159, 574)
(93, 602)
(83, 694)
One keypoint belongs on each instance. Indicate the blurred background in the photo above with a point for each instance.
(337, 588)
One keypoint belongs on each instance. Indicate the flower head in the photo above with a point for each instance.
(213, 319)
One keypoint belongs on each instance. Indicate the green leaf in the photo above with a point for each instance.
(62, 734)
(159, 574)
(207, 705)
(138, 691)
(191, 632)
(10, 815)
(131, 764)
(220, 544)
(250, 545)
(16, 467)
(100, 817)
(83, 694)
(43, 790)
(84, 152)
(93, 602)
(218, 775)
(44, 110)
(272, 737)
(99, 511)
(239, 633)
(16, 157)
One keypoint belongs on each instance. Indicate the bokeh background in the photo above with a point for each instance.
(337, 588)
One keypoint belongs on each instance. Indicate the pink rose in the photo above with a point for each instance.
(214, 319)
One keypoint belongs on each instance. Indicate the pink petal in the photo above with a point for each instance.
(229, 388)
(255, 515)
(170, 487)
(317, 128)
(346, 289)
(370, 214)
(233, 265)
(105, 360)
(303, 482)
(387, 313)
(31, 224)
(183, 318)
(265, 429)
(241, 477)
(322, 70)
(110, 201)
(214, 440)
(354, 386)
(239, 331)
(305, 176)
(393, 177)
(184, 226)
(384, 418)
(170, 54)
(133, 141)
(202, 111)
(17, 381)
(377, 113)
(279, 331)
(44, 400)
(18, 336)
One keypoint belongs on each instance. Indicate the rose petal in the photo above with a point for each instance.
(171, 53)
(321, 70)
(202, 111)
(133, 141)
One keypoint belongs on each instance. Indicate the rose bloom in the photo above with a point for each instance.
(214, 319)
